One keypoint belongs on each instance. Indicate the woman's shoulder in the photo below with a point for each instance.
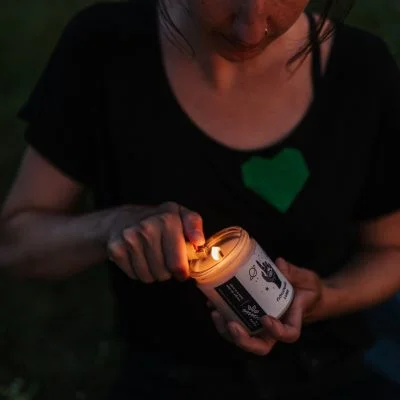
(358, 38)
(358, 47)
(360, 59)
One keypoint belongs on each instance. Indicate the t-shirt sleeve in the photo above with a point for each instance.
(64, 110)
(381, 195)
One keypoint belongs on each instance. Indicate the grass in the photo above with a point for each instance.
(56, 340)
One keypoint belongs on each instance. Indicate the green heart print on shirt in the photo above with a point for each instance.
(277, 180)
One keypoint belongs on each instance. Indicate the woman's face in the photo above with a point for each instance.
(237, 28)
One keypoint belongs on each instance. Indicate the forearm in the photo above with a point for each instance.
(39, 245)
(371, 278)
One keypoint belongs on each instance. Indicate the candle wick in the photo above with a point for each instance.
(202, 251)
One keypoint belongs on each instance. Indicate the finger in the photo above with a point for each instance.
(174, 246)
(136, 255)
(192, 226)
(242, 339)
(118, 254)
(293, 319)
(299, 277)
(150, 232)
(210, 305)
(266, 337)
(221, 325)
(288, 331)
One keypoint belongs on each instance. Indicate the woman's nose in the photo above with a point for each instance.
(250, 21)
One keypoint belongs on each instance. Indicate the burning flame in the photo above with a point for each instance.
(216, 253)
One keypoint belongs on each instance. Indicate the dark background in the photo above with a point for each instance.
(56, 340)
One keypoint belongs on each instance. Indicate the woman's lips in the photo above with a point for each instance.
(236, 46)
(241, 46)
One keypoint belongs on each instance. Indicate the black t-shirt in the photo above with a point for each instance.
(103, 113)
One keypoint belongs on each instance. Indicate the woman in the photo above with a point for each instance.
(249, 113)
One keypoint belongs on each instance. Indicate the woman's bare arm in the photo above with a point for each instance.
(372, 277)
(39, 234)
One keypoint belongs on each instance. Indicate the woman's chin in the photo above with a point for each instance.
(240, 56)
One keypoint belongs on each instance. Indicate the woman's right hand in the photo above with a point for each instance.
(148, 243)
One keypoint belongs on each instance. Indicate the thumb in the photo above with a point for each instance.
(192, 226)
(295, 275)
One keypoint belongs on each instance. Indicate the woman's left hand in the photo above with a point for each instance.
(308, 289)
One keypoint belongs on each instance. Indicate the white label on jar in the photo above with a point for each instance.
(258, 288)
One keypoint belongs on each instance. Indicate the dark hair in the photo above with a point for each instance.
(327, 9)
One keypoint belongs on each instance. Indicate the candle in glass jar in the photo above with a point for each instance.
(241, 281)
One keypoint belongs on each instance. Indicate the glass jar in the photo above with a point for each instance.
(241, 281)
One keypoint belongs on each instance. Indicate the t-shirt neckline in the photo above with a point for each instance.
(289, 139)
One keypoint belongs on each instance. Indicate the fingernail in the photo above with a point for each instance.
(198, 238)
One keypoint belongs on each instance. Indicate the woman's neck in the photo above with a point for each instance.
(223, 74)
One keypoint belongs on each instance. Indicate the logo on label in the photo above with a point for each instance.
(242, 303)
(269, 274)
(251, 311)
